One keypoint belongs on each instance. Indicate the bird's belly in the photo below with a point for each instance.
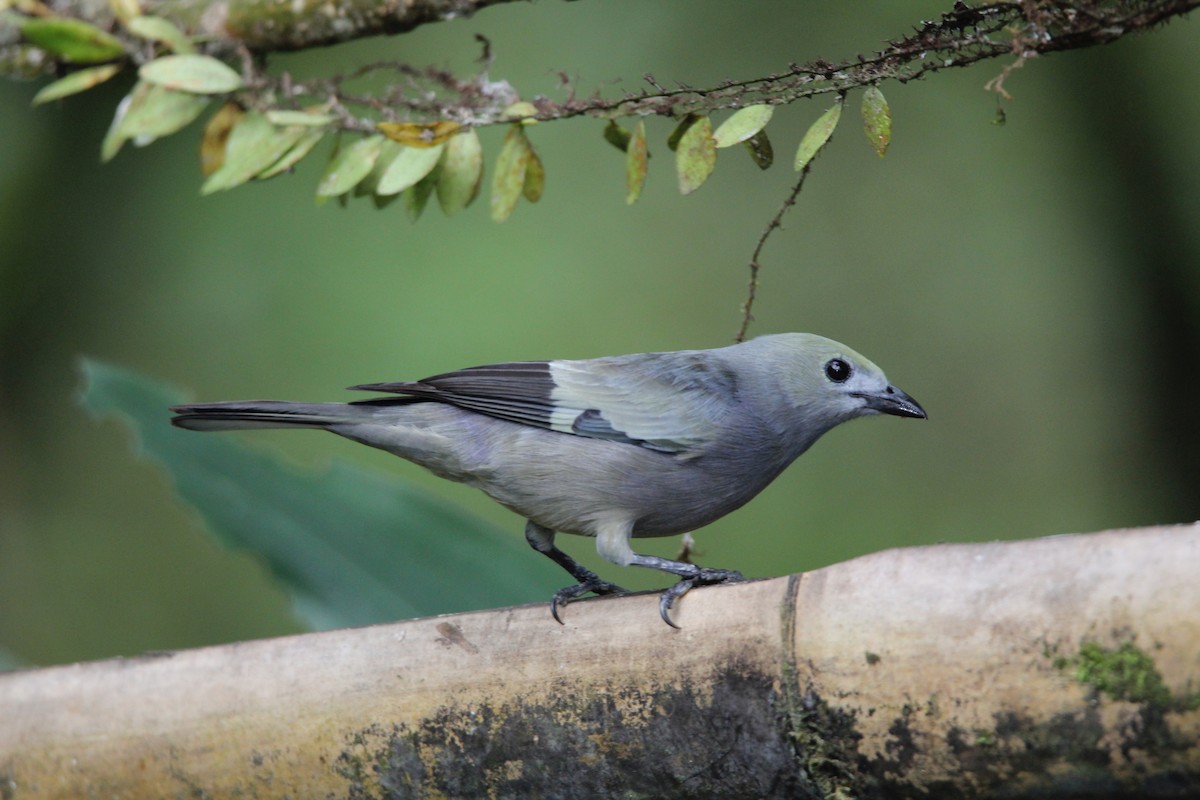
(567, 483)
(581, 491)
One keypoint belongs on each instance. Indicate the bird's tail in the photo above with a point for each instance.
(240, 415)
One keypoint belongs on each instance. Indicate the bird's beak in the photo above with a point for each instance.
(893, 401)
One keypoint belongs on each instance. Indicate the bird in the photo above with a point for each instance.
(616, 448)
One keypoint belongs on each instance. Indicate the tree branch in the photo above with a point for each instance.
(267, 26)
(961, 37)
(1061, 667)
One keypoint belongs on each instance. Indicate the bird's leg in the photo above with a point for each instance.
(687, 548)
(541, 539)
(690, 576)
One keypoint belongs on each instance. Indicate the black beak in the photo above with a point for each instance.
(893, 401)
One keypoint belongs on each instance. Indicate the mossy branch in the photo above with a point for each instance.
(1059, 667)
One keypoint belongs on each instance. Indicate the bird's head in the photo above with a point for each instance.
(827, 383)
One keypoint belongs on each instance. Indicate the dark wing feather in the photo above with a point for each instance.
(518, 391)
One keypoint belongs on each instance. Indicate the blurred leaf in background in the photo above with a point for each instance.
(351, 547)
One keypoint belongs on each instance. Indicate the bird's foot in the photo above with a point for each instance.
(570, 593)
(702, 577)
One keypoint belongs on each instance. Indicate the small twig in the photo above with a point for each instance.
(485, 58)
(996, 84)
(755, 265)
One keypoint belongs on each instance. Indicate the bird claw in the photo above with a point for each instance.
(569, 593)
(703, 577)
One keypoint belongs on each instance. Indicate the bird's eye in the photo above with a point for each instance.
(837, 370)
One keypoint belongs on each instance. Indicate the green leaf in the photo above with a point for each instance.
(508, 182)
(382, 202)
(157, 29)
(114, 139)
(742, 125)
(191, 73)
(409, 166)
(696, 156)
(680, 130)
(617, 136)
(818, 134)
(75, 83)
(303, 146)
(299, 118)
(161, 113)
(636, 164)
(461, 172)
(254, 145)
(150, 112)
(123, 10)
(535, 178)
(521, 111)
(71, 39)
(389, 151)
(416, 197)
(351, 547)
(760, 149)
(349, 166)
(877, 119)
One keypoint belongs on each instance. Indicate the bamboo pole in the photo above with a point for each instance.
(1066, 666)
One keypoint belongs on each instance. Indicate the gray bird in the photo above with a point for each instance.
(651, 444)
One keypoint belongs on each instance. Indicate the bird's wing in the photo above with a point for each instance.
(671, 402)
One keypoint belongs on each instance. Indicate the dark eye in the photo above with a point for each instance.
(837, 370)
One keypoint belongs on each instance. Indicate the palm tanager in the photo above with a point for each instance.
(651, 444)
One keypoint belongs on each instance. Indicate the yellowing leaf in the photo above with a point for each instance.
(535, 178)
(349, 166)
(696, 156)
(877, 119)
(157, 29)
(71, 39)
(216, 134)
(76, 82)
(742, 125)
(817, 135)
(191, 73)
(508, 182)
(409, 166)
(461, 172)
(419, 134)
(760, 149)
(254, 145)
(636, 163)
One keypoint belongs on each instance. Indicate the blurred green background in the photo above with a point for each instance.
(1036, 286)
